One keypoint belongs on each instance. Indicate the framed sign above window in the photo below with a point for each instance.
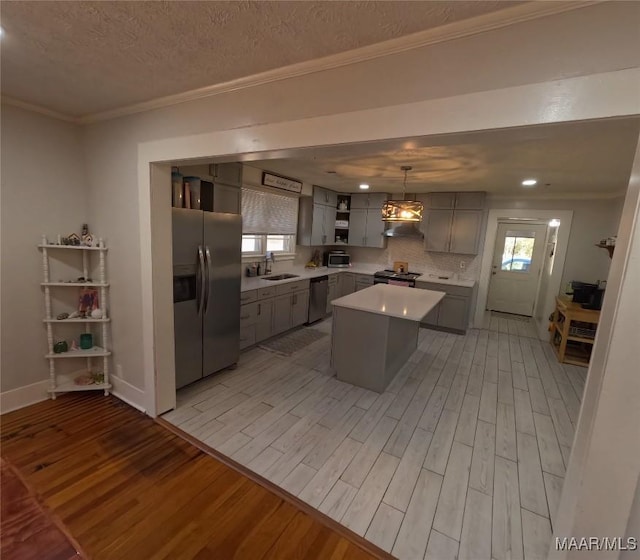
(291, 185)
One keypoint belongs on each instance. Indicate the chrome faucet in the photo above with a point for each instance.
(269, 258)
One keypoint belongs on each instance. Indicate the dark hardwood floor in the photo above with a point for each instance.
(126, 487)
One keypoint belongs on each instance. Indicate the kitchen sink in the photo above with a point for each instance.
(281, 277)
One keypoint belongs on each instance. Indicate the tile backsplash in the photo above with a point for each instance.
(412, 251)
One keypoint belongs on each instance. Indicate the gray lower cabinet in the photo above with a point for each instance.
(363, 281)
(281, 314)
(290, 310)
(333, 291)
(452, 313)
(299, 308)
(346, 283)
(264, 318)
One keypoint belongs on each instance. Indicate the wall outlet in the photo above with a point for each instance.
(463, 265)
(119, 370)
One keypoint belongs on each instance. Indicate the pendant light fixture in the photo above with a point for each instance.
(402, 210)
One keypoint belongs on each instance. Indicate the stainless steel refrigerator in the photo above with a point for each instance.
(206, 292)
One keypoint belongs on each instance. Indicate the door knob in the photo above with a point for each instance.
(493, 273)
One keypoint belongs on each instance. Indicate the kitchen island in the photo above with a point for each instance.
(375, 330)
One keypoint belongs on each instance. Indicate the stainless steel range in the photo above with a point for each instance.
(407, 279)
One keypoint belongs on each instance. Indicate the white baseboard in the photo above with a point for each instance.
(127, 393)
(23, 396)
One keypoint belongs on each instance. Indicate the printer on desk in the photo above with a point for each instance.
(590, 296)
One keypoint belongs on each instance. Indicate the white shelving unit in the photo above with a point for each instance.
(63, 383)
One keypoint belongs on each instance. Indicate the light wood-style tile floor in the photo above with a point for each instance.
(464, 454)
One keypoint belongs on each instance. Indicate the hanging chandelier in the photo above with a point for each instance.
(402, 210)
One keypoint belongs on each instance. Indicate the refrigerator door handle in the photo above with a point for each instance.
(199, 280)
(207, 276)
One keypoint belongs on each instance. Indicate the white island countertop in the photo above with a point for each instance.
(393, 301)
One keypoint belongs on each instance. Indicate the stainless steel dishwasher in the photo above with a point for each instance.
(318, 298)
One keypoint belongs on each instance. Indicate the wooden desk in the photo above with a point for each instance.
(563, 332)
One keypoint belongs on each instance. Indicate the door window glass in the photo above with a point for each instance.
(518, 251)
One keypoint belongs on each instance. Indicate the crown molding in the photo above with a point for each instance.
(12, 101)
(456, 30)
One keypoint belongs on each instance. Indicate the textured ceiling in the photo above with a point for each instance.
(569, 160)
(81, 58)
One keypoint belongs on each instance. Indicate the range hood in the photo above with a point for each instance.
(404, 229)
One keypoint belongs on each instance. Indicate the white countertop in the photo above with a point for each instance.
(394, 301)
(257, 282)
(445, 281)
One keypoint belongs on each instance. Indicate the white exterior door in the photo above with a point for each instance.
(517, 261)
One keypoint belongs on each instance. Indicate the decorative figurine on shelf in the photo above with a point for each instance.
(88, 301)
(60, 347)
(74, 345)
(96, 313)
(87, 238)
(71, 239)
(62, 316)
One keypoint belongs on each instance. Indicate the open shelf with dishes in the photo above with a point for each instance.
(88, 324)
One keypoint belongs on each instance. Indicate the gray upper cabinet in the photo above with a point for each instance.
(437, 230)
(470, 201)
(316, 222)
(368, 200)
(227, 173)
(441, 201)
(465, 231)
(359, 201)
(357, 227)
(452, 222)
(365, 221)
(325, 197)
(375, 228)
(329, 225)
(317, 225)
(226, 198)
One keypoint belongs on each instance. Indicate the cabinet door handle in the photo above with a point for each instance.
(245, 317)
(259, 309)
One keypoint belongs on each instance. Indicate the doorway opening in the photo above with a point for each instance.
(515, 271)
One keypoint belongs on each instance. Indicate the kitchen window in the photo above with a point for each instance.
(269, 223)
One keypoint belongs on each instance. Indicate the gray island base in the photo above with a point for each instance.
(375, 331)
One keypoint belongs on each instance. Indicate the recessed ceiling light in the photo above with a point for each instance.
(529, 182)
(554, 223)
(364, 186)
